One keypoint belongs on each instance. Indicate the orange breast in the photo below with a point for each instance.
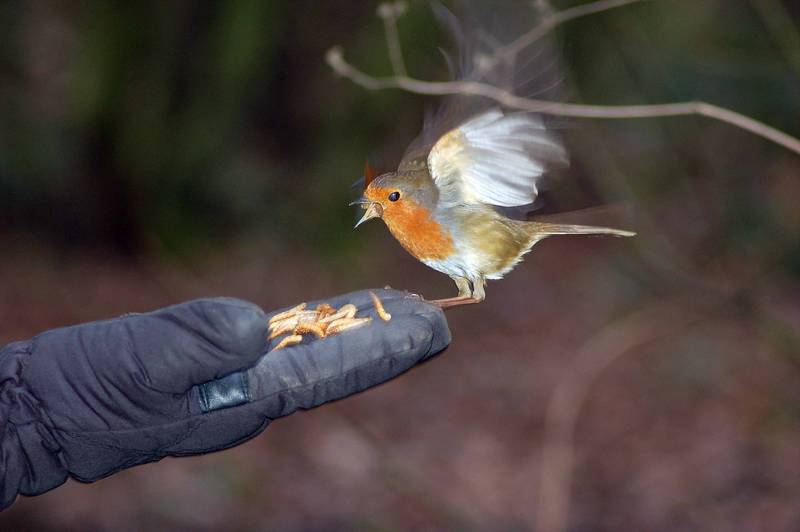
(418, 232)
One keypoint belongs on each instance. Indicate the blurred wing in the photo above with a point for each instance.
(476, 32)
(494, 158)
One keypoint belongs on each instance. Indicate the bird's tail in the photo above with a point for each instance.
(543, 228)
(591, 221)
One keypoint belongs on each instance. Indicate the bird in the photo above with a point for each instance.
(451, 201)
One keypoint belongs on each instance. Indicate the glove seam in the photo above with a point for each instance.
(264, 424)
(203, 398)
(43, 419)
(246, 387)
(92, 435)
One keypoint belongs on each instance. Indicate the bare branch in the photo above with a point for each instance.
(390, 12)
(336, 61)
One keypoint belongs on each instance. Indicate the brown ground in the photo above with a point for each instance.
(695, 427)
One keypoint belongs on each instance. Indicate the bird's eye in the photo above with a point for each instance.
(394, 196)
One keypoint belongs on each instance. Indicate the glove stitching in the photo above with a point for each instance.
(203, 398)
(265, 422)
(92, 437)
(245, 386)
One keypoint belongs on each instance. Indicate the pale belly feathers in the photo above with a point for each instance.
(487, 245)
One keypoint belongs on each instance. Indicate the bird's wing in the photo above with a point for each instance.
(494, 158)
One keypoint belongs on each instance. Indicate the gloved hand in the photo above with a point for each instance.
(93, 399)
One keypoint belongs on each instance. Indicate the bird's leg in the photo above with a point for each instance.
(479, 289)
(463, 285)
(468, 293)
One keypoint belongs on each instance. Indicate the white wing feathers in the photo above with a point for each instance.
(494, 158)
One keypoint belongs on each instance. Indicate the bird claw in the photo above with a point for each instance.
(323, 321)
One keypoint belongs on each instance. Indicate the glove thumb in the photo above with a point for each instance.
(198, 341)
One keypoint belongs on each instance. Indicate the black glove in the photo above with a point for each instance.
(93, 399)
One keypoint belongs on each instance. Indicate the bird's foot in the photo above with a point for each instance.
(451, 302)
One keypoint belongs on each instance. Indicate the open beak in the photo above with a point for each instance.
(373, 210)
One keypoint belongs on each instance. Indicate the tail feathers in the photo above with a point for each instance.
(570, 229)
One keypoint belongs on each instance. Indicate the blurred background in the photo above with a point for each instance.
(152, 152)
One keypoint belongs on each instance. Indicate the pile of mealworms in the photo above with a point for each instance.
(322, 321)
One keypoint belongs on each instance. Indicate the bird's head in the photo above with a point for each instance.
(396, 195)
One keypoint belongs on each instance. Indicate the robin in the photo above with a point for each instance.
(448, 202)
(442, 202)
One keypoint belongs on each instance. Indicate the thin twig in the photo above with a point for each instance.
(390, 12)
(556, 18)
(336, 60)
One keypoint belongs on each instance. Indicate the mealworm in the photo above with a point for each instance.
(313, 328)
(283, 327)
(346, 323)
(287, 313)
(324, 309)
(385, 316)
(289, 340)
(347, 311)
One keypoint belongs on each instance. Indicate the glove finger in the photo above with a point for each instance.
(321, 370)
